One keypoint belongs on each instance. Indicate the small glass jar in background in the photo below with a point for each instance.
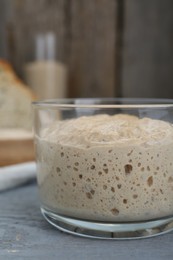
(45, 74)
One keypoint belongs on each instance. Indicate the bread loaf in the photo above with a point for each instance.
(16, 141)
(15, 100)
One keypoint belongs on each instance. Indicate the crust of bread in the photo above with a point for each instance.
(6, 66)
(8, 69)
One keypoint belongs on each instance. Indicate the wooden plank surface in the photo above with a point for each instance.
(148, 49)
(5, 16)
(92, 48)
(24, 234)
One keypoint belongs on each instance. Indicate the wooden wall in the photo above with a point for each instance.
(112, 48)
(147, 59)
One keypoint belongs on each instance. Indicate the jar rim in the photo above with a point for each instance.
(104, 103)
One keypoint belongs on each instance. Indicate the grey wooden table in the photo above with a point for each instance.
(24, 234)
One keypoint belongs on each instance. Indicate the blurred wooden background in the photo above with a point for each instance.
(112, 48)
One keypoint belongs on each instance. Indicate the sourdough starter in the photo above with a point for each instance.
(107, 168)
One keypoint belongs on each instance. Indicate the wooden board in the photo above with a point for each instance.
(16, 151)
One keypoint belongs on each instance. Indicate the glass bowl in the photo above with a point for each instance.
(105, 166)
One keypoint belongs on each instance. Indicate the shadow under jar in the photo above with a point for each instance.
(105, 166)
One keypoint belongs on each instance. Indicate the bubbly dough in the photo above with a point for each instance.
(107, 168)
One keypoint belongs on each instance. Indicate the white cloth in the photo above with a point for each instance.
(16, 175)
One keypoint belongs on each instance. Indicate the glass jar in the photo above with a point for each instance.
(105, 166)
(44, 73)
